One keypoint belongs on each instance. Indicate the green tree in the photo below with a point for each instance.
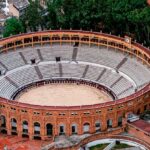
(12, 27)
(129, 17)
(32, 18)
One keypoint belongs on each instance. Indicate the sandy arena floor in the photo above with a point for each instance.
(63, 95)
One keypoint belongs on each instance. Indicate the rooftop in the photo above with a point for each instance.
(143, 125)
(2, 16)
(19, 4)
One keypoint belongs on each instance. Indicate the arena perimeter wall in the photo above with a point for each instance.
(80, 115)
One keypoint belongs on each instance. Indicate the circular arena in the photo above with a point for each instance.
(71, 82)
(63, 95)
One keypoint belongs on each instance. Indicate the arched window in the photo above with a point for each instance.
(25, 127)
(49, 129)
(138, 112)
(14, 124)
(61, 129)
(97, 126)
(74, 128)
(3, 121)
(109, 123)
(145, 107)
(36, 128)
(120, 121)
(86, 128)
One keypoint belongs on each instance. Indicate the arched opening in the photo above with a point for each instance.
(3, 121)
(3, 124)
(86, 128)
(74, 129)
(120, 121)
(62, 129)
(97, 126)
(49, 129)
(145, 107)
(37, 131)
(37, 137)
(36, 128)
(109, 123)
(14, 126)
(138, 112)
(24, 129)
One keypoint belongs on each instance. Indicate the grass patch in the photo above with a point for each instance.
(99, 146)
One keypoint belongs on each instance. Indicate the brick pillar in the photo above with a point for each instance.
(8, 126)
(56, 128)
(115, 120)
(67, 127)
(30, 126)
(80, 127)
(92, 126)
(103, 122)
(42, 130)
(19, 128)
(8, 123)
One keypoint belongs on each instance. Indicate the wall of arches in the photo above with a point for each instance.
(48, 123)
(37, 122)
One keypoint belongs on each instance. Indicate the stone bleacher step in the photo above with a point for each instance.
(125, 90)
(11, 81)
(23, 57)
(74, 54)
(101, 74)
(39, 54)
(4, 66)
(121, 63)
(60, 70)
(116, 82)
(85, 71)
(38, 72)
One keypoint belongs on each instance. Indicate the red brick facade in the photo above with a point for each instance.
(68, 116)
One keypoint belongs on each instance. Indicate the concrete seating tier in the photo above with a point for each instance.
(27, 75)
(16, 64)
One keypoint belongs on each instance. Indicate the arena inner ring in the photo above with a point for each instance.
(21, 63)
(66, 92)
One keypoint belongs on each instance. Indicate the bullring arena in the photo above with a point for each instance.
(64, 95)
(56, 84)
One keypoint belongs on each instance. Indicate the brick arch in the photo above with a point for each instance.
(62, 128)
(2, 117)
(74, 128)
(49, 129)
(86, 127)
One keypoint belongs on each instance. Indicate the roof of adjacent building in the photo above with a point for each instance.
(19, 4)
(2, 16)
(143, 125)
